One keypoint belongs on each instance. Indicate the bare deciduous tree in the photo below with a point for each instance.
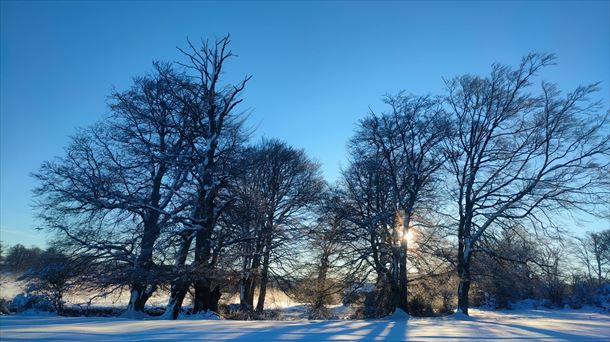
(403, 146)
(516, 155)
(111, 194)
(281, 187)
(213, 135)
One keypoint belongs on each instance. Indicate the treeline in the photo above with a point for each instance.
(167, 193)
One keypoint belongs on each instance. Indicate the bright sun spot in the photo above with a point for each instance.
(409, 237)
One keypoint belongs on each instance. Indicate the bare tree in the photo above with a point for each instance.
(594, 252)
(583, 254)
(213, 135)
(403, 147)
(516, 155)
(600, 243)
(275, 196)
(19, 258)
(334, 262)
(112, 194)
(55, 275)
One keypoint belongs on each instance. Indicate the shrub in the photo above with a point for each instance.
(23, 302)
(4, 304)
(418, 306)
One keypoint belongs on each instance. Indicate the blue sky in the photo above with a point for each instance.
(317, 66)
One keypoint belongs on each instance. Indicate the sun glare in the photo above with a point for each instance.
(409, 237)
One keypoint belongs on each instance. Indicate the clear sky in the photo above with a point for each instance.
(317, 66)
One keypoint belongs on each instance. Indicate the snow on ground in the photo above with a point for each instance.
(533, 325)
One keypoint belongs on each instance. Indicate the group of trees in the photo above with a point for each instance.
(593, 251)
(167, 193)
(156, 193)
(19, 258)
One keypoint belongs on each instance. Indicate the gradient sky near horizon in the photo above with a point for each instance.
(317, 66)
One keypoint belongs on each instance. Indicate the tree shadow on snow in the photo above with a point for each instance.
(332, 330)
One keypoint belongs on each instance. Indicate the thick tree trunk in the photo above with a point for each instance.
(248, 284)
(245, 299)
(320, 299)
(201, 295)
(252, 289)
(174, 305)
(403, 280)
(260, 305)
(463, 288)
(385, 295)
(180, 285)
(395, 294)
(395, 284)
(139, 295)
(244, 283)
(141, 289)
(202, 257)
(403, 300)
(463, 268)
(206, 297)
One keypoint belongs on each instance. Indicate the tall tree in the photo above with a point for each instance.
(111, 194)
(334, 263)
(518, 155)
(275, 195)
(213, 136)
(599, 246)
(404, 145)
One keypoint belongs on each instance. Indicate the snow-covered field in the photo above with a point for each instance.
(533, 325)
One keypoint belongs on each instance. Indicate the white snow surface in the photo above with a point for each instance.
(531, 325)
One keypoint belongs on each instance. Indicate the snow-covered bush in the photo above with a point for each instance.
(52, 276)
(23, 302)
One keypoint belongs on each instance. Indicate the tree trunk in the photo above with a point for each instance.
(263, 282)
(320, 299)
(140, 288)
(385, 294)
(252, 289)
(174, 305)
(599, 268)
(463, 268)
(180, 284)
(395, 294)
(244, 283)
(248, 284)
(202, 264)
(206, 298)
(463, 289)
(402, 281)
(202, 294)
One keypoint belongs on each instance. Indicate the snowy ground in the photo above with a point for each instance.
(533, 325)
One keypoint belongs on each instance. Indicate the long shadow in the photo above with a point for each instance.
(259, 331)
(552, 334)
(360, 330)
(397, 332)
